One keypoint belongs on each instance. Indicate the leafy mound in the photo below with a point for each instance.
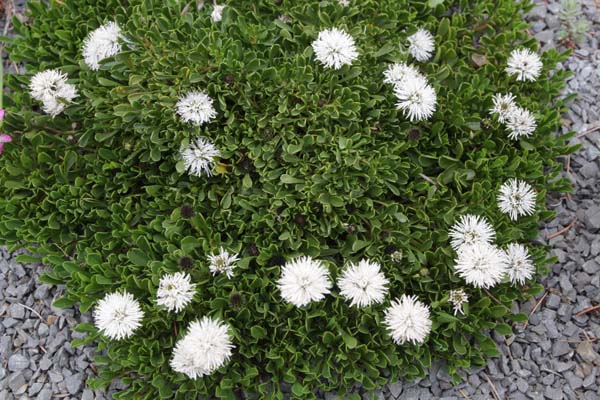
(315, 161)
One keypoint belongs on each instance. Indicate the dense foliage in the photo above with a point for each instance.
(315, 162)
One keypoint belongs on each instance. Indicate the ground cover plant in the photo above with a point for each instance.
(318, 193)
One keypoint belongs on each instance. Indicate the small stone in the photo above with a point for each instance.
(553, 393)
(45, 364)
(17, 362)
(587, 352)
(545, 36)
(16, 382)
(592, 217)
(41, 292)
(35, 388)
(522, 385)
(87, 395)
(553, 301)
(9, 322)
(548, 380)
(74, 383)
(17, 311)
(560, 348)
(589, 170)
(591, 267)
(573, 380)
(395, 389)
(45, 394)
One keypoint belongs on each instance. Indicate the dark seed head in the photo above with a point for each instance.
(236, 299)
(187, 211)
(277, 259)
(383, 235)
(321, 103)
(253, 250)
(300, 220)
(414, 134)
(390, 249)
(185, 262)
(229, 79)
(351, 228)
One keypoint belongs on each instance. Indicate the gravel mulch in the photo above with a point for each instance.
(556, 356)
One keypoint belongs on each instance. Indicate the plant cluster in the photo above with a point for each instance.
(321, 193)
(575, 27)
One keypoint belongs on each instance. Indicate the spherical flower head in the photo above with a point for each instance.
(222, 262)
(52, 89)
(363, 284)
(200, 156)
(196, 107)
(205, 348)
(457, 298)
(304, 280)
(520, 267)
(397, 73)
(335, 48)
(416, 98)
(525, 64)
(408, 320)
(118, 315)
(175, 291)
(504, 105)
(471, 229)
(516, 198)
(481, 265)
(421, 45)
(520, 122)
(217, 13)
(100, 44)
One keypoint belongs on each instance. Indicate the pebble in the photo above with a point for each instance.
(17, 362)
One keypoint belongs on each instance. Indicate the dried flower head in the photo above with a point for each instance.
(196, 107)
(408, 320)
(205, 348)
(520, 267)
(525, 64)
(200, 157)
(222, 262)
(118, 315)
(481, 264)
(335, 48)
(363, 284)
(100, 44)
(421, 45)
(304, 280)
(516, 199)
(175, 291)
(471, 229)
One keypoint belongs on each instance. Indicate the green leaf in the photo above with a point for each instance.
(137, 257)
(258, 332)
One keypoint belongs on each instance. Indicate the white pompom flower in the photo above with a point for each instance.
(416, 98)
(175, 291)
(481, 264)
(457, 298)
(408, 320)
(205, 348)
(217, 13)
(101, 44)
(118, 315)
(520, 122)
(52, 89)
(525, 64)
(471, 229)
(222, 262)
(516, 199)
(335, 48)
(304, 280)
(398, 73)
(520, 267)
(344, 3)
(200, 157)
(504, 106)
(196, 107)
(363, 284)
(422, 45)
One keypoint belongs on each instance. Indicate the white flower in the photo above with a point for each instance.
(397, 73)
(504, 105)
(408, 320)
(304, 280)
(175, 291)
(118, 315)
(525, 64)
(481, 264)
(421, 45)
(344, 3)
(416, 98)
(222, 262)
(457, 298)
(205, 348)
(100, 44)
(196, 107)
(471, 229)
(200, 156)
(520, 267)
(217, 13)
(52, 89)
(516, 198)
(334, 48)
(363, 284)
(285, 19)
(520, 122)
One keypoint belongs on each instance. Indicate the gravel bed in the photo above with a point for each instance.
(557, 356)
